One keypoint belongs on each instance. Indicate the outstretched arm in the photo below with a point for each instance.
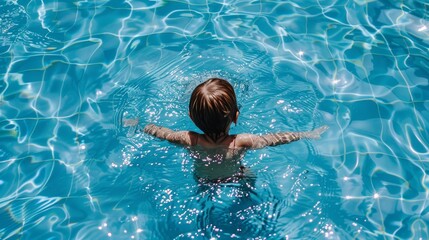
(273, 139)
(180, 137)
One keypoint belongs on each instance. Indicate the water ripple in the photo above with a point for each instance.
(71, 72)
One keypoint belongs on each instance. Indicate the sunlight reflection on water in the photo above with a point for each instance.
(72, 71)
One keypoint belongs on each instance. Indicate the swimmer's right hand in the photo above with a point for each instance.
(315, 134)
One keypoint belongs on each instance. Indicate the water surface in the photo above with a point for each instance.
(71, 71)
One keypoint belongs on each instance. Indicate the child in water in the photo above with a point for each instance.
(213, 108)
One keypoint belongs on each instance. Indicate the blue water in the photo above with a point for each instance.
(71, 71)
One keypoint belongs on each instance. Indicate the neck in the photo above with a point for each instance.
(219, 138)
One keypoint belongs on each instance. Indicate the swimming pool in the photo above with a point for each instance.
(71, 71)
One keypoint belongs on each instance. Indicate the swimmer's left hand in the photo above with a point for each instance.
(315, 134)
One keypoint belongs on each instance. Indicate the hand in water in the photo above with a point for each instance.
(132, 123)
(315, 134)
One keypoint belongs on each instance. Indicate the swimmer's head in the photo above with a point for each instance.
(213, 107)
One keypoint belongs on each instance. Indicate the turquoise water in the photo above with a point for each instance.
(71, 71)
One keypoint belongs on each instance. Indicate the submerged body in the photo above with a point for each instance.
(217, 164)
(221, 160)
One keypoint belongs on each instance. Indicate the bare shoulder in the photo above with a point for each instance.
(187, 138)
(193, 138)
(245, 140)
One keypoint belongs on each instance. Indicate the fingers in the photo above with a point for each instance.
(322, 129)
(131, 122)
(315, 134)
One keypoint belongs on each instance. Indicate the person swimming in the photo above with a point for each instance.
(213, 108)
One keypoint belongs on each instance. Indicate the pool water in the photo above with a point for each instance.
(72, 71)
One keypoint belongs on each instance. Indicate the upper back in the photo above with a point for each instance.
(229, 142)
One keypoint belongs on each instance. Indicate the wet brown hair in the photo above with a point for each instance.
(213, 107)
